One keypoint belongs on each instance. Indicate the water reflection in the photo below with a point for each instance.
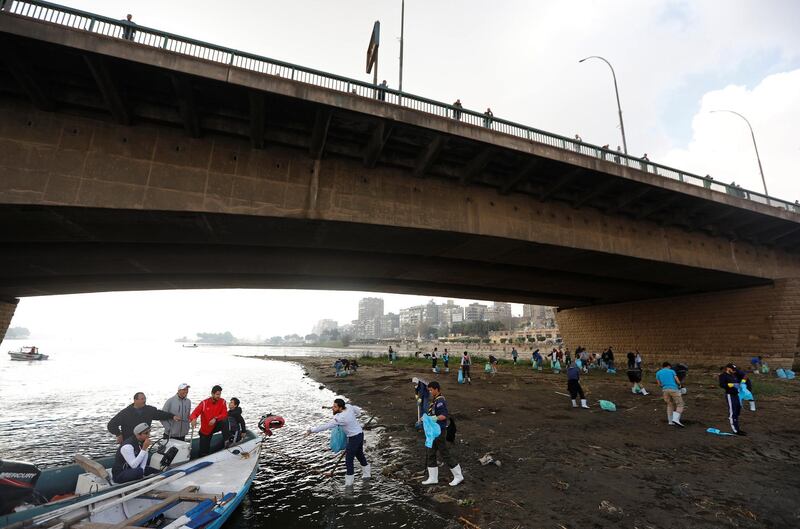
(60, 407)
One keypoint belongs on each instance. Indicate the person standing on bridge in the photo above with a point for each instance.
(382, 90)
(128, 28)
(457, 110)
(488, 118)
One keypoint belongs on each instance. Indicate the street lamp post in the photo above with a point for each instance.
(755, 146)
(616, 91)
(402, 28)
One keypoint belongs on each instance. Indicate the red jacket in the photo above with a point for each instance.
(208, 410)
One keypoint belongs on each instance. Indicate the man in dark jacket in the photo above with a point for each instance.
(729, 382)
(123, 423)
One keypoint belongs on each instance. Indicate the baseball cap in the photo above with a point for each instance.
(415, 381)
(732, 366)
(183, 385)
(141, 428)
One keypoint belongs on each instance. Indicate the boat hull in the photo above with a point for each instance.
(27, 357)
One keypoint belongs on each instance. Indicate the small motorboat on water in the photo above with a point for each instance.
(191, 346)
(27, 352)
(199, 493)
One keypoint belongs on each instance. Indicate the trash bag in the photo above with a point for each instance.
(612, 371)
(789, 373)
(608, 405)
(487, 368)
(460, 376)
(780, 372)
(579, 363)
(338, 439)
(764, 369)
(716, 431)
(556, 366)
(744, 393)
(432, 429)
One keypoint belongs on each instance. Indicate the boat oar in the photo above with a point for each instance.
(211, 515)
(137, 489)
(202, 513)
(198, 509)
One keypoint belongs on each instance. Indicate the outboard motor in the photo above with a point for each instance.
(17, 480)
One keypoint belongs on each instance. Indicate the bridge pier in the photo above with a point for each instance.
(7, 308)
(702, 329)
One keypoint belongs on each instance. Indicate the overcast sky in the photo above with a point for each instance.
(675, 62)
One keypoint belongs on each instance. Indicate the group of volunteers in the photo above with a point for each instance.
(132, 424)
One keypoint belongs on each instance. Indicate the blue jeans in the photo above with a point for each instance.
(354, 450)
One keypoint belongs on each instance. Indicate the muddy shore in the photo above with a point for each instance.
(574, 468)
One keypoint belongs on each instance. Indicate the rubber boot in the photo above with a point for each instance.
(752, 405)
(574, 403)
(669, 418)
(457, 476)
(583, 404)
(366, 471)
(433, 476)
(644, 391)
(635, 389)
(348, 480)
(676, 418)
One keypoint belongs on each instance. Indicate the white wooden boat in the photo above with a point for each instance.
(193, 494)
(27, 353)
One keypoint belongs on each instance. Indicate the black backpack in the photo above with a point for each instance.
(450, 435)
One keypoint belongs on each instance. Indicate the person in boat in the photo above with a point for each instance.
(123, 423)
(178, 405)
(236, 424)
(213, 413)
(346, 416)
(131, 459)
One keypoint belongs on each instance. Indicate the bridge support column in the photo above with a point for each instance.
(703, 329)
(7, 308)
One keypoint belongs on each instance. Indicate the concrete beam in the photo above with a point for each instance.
(29, 81)
(477, 164)
(7, 308)
(561, 182)
(319, 134)
(377, 140)
(184, 92)
(658, 206)
(108, 88)
(428, 156)
(528, 167)
(257, 118)
(628, 198)
(595, 191)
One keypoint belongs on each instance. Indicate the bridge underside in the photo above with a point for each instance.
(58, 250)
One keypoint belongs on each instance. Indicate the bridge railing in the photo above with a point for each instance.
(122, 29)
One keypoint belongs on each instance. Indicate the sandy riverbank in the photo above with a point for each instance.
(568, 468)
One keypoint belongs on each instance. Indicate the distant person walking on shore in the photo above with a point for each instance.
(635, 375)
(446, 360)
(514, 355)
(729, 382)
(466, 362)
(671, 389)
(434, 360)
(574, 386)
(438, 409)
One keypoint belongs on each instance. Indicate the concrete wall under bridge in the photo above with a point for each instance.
(706, 329)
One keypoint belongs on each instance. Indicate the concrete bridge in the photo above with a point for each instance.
(159, 162)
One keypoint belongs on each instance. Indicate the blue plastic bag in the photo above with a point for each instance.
(432, 429)
(611, 371)
(789, 373)
(716, 431)
(780, 373)
(607, 405)
(460, 376)
(744, 393)
(338, 439)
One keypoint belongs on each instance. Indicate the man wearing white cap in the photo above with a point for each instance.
(130, 461)
(178, 405)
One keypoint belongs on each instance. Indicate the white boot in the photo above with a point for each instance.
(669, 418)
(635, 389)
(574, 404)
(457, 476)
(676, 418)
(366, 471)
(644, 391)
(752, 405)
(348, 480)
(583, 404)
(433, 476)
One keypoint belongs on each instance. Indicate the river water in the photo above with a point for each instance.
(59, 407)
